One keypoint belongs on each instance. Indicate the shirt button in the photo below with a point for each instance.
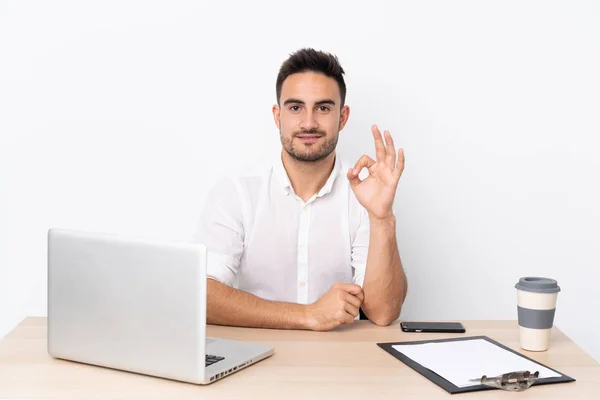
(302, 283)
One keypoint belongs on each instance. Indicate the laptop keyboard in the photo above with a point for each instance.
(210, 360)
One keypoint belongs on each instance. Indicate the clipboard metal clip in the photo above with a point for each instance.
(516, 381)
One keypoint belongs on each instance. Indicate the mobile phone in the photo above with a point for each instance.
(444, 327)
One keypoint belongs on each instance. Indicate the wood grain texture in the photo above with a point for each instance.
(345, 363)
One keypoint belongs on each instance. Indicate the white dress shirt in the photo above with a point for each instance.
(263, 239)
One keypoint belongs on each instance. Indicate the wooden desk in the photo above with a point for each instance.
(341, 364)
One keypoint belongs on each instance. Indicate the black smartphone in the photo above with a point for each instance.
(444, 327)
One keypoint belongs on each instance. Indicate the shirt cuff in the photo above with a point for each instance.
(221, 268)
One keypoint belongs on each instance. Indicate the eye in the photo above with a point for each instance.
(294, 108)
(324, 109)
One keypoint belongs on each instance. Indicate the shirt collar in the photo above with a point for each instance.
(284, 179)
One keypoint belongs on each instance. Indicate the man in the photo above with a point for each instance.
(299, 245)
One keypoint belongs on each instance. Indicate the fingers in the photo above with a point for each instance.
(399, 165)
(353, 177)
(351, 296)
(353, 300)
(379, 147)
(353, 293)
(347, 299)
(387, 154)
(348, 319)
(390, 157)
(360, 295)
(364, 162)
(349, 288)
(351, 309)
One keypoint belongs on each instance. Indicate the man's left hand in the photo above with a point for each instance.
(376, 192)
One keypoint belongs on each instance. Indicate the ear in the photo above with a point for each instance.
(344, 115)
(276, 115)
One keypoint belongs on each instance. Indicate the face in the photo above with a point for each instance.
(309, 117)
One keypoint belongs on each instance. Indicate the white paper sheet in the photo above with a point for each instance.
(460, 361)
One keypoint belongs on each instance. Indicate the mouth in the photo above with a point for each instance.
(310, 138)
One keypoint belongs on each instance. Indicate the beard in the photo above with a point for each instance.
(309, 152)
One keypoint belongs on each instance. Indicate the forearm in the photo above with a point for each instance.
(385, 284)
(228, 306)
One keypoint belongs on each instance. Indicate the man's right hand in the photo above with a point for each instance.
(338, 306)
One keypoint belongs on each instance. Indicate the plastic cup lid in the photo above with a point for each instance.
(538, 285)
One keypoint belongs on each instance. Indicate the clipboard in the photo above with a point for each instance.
(449, 386)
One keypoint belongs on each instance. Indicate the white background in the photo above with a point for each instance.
(118, 116)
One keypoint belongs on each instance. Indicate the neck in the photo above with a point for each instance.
(307, 177)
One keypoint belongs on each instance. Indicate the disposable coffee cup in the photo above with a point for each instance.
(536, 306)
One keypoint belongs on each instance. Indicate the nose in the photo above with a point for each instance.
(309, 121)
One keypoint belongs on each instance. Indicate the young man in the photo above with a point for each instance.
(305, 243)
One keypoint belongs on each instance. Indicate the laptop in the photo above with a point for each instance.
(136, 305)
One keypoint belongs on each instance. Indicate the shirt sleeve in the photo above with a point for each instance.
(360, 249)
(221, 230)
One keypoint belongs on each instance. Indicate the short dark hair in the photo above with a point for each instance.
(311, 60)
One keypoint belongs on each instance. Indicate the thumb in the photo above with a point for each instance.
(352, 176)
